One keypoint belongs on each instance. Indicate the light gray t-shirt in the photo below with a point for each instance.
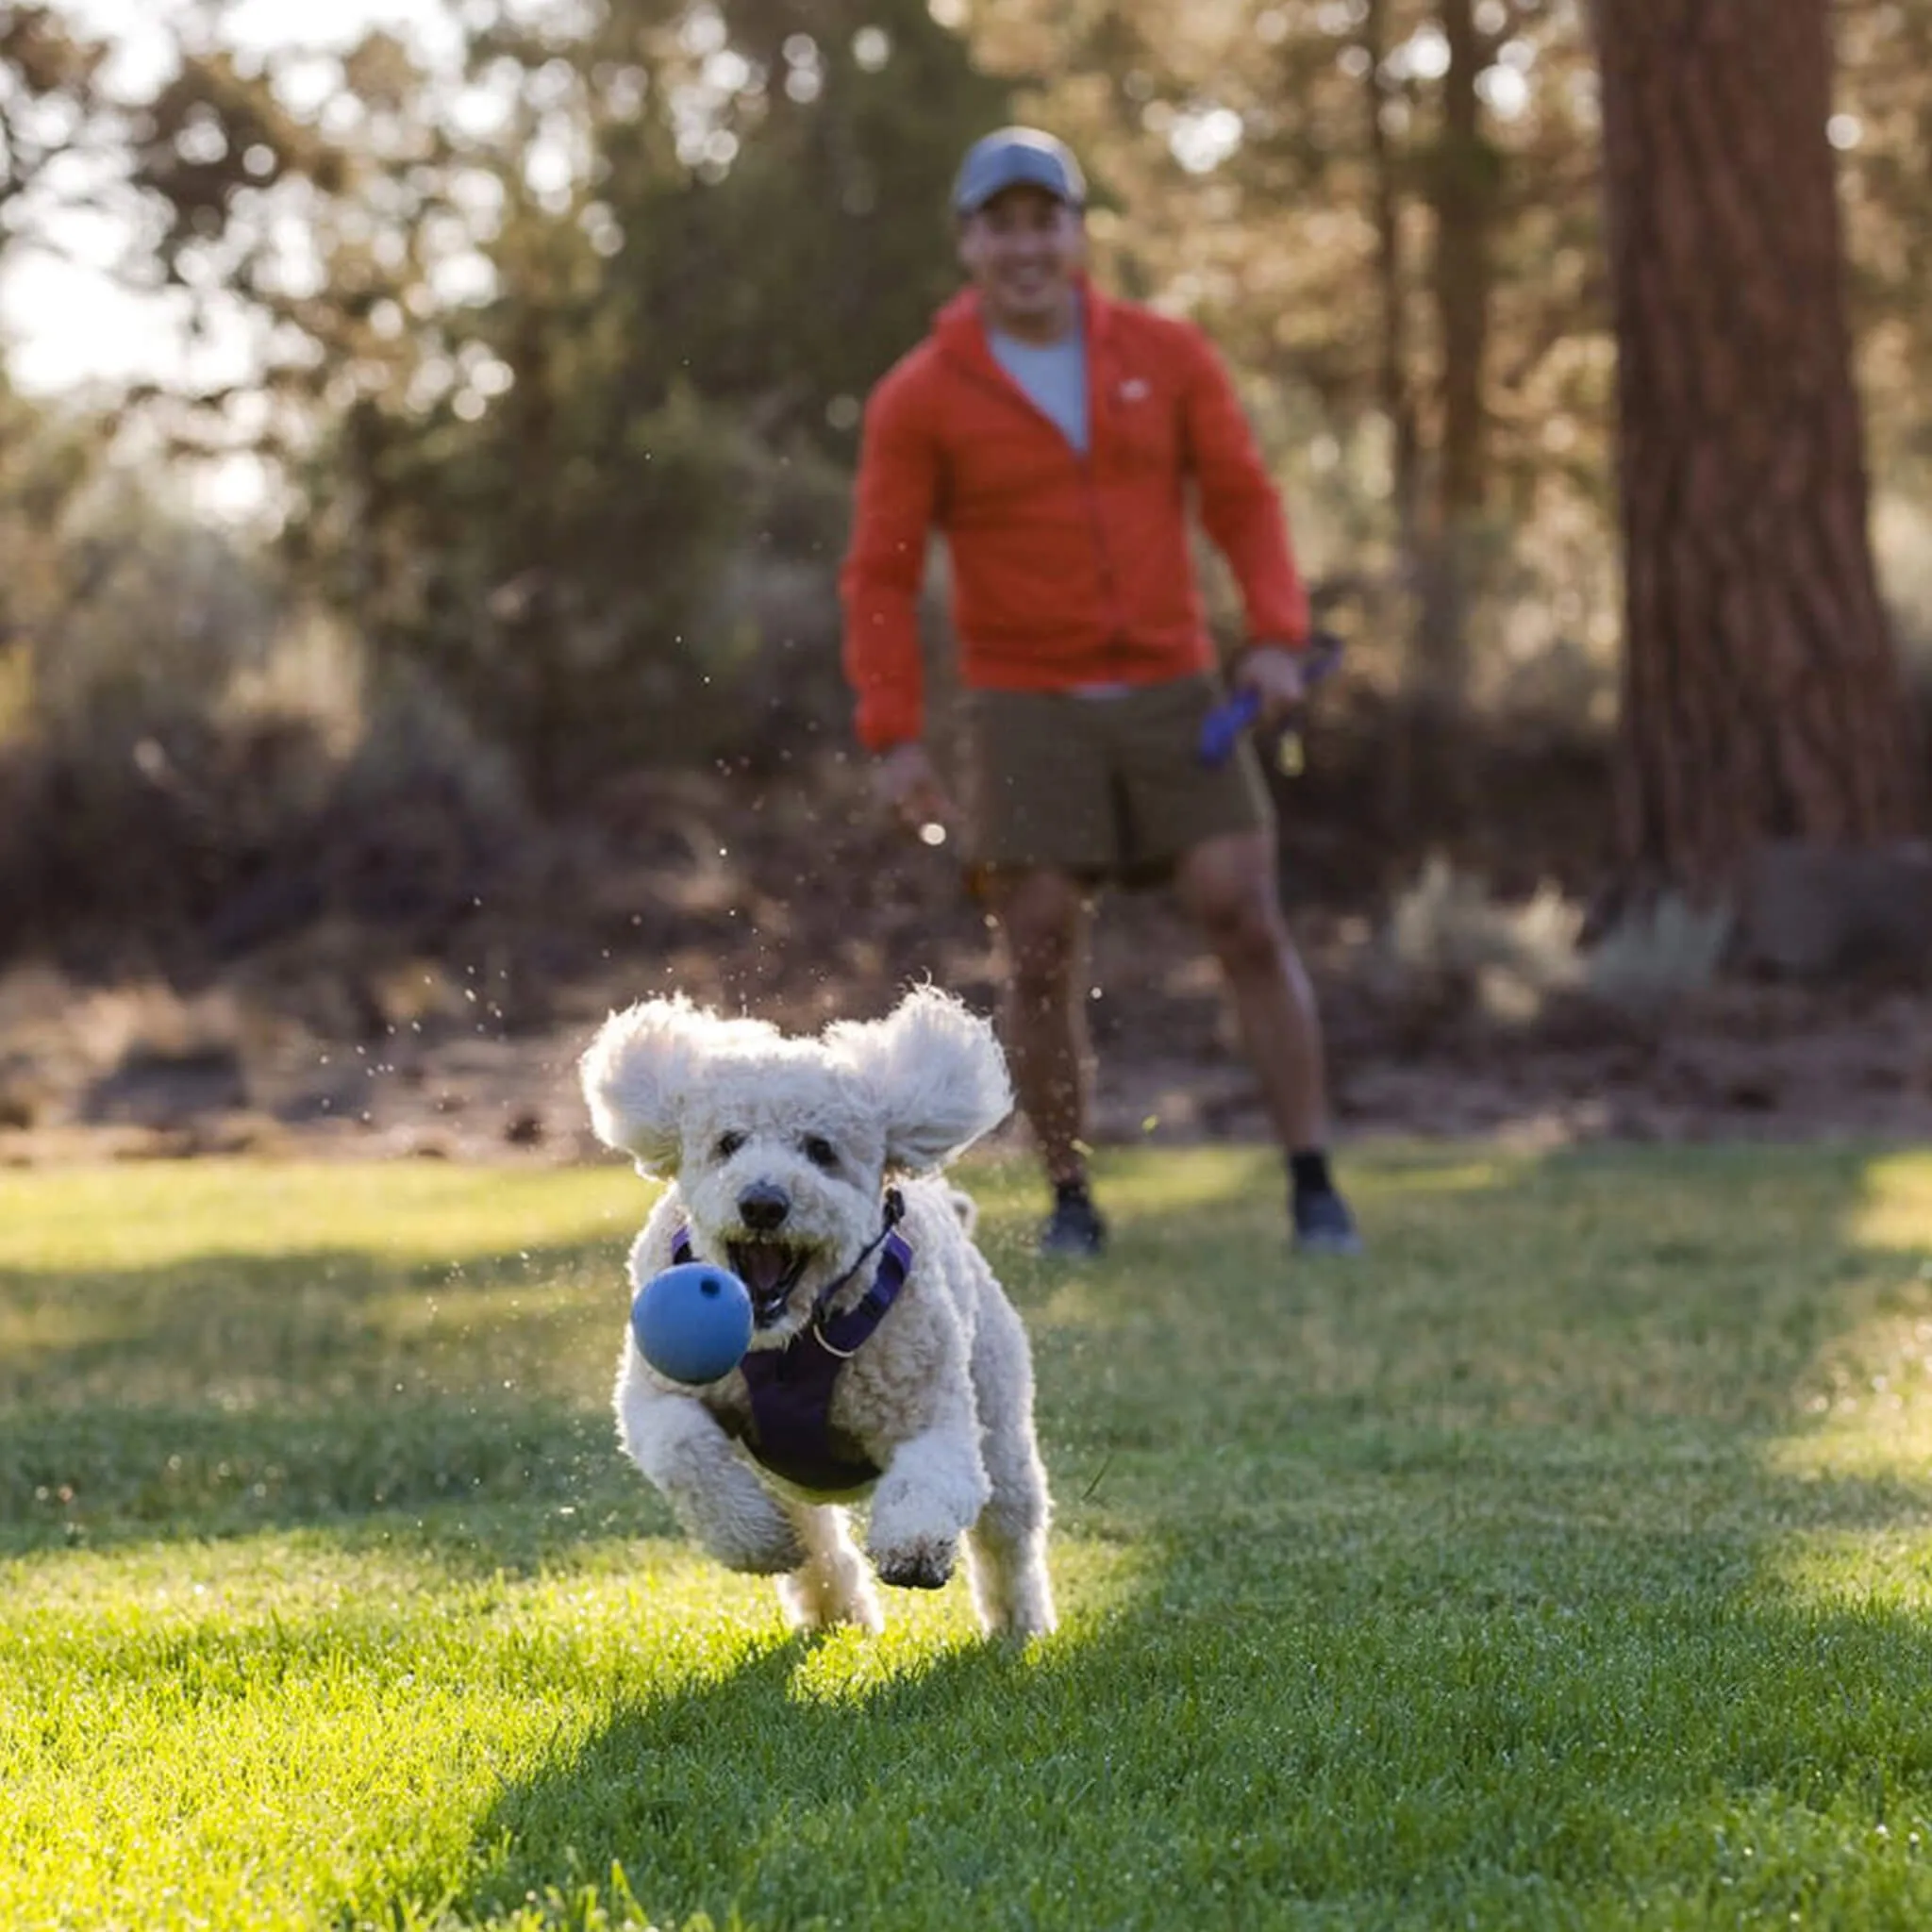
(1053, 375)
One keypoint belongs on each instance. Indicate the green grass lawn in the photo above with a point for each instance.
(1567, 1563)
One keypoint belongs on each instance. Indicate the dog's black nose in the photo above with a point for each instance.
(763, 1208)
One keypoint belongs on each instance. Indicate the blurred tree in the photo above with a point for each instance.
(803, 245)
(559, 327)
(1763, 694)
(50, 116)
(49, 459)
(1883, 131)
(1462, 175)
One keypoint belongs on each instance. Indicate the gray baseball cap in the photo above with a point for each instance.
(1018, 158)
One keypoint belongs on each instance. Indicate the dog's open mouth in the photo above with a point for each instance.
(770, 1269)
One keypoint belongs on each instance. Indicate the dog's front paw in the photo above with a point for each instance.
(925, 1564)
(747, 1532)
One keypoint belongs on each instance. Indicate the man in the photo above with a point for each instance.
(1051, 433)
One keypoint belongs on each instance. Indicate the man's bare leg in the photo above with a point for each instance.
(1228, 886)
(1043, 919)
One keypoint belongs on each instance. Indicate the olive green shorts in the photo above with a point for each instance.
(1108, 789)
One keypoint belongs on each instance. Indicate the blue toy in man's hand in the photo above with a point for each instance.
(692, 1323)
(1223, 726)
(1226, 722)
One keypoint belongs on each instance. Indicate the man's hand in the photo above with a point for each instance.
(906, 783)
(1278, 677)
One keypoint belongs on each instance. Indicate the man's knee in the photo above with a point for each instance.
(1245, 928)
(1229, 888)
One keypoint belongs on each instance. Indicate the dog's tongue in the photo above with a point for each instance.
(763, 1268)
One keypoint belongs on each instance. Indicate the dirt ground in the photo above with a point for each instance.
(361, 1037)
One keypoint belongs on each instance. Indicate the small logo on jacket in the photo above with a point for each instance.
(1135, 388)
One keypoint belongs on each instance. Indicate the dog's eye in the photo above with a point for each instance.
(820, 1150)
(729, 1143)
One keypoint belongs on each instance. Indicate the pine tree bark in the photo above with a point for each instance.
(1441, 486)
(1466, 184)
(1762, 695)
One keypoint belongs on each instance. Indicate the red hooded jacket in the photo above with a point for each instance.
(1066, 569)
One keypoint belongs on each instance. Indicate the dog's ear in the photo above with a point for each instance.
(939, 1072)
(636, 1073)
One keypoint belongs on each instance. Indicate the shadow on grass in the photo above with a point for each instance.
(1489, 1757)
(299, 1315)
(235, 1393)
(422, 1468)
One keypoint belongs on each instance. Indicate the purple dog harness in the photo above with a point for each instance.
(791, 1388)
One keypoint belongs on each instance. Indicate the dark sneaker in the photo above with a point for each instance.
(1322, 1224)
(1075, 1225)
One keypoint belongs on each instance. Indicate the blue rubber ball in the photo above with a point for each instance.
(693, 1322)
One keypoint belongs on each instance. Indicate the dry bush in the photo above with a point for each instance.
(1450, 942)
(199, 818)
(1656, 958)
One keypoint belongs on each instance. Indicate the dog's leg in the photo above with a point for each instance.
(832, 1586)
(932, 1490)
(715, 1495)
(1007, 1546)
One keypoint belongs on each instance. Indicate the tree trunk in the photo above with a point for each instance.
(1463, 182)
(1464, 185)
(1762, 696)
(1395, 386)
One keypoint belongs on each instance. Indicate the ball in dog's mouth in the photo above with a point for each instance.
(770, 1269)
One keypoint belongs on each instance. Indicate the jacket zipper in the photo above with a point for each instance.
(1109, 584)
(1083, 462)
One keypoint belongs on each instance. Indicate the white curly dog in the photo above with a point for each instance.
(886, 1360)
